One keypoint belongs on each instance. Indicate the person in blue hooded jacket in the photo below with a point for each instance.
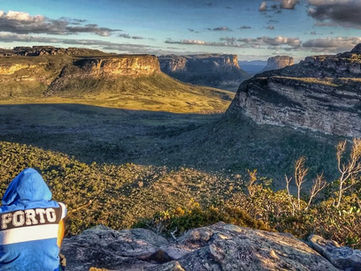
(31, 225)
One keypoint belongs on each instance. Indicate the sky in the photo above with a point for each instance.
(251, 29)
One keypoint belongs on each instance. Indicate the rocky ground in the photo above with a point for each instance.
(217, 247)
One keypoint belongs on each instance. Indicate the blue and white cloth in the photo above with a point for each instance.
(29, 224)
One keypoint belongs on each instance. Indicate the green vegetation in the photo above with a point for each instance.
(29, 80)
(28, 76)
(174, 200)
(155, 93)
(206, 142)
(108, 149)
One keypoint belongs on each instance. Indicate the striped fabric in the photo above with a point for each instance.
(29, 225)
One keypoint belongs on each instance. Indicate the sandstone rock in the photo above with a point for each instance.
(102, 247)
(322, 93)
(278, 62)
(217, 247)
(122, 65)
(96, 69)
(342, 257)
(220, 71)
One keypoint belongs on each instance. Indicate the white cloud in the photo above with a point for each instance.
(260, 42)
(345, 13)
(332, 45)
(24, 23)
(263, 6)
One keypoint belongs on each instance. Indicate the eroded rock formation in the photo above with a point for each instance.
(220, 71)
(321, 93)
(278, 62)
(217, 247)
(123, 65)
(37, 70)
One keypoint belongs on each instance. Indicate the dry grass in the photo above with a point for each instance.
(311, 80)
(158, 93)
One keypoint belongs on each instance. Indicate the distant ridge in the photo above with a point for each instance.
(278, 62)
(57, 75)
(215, 70)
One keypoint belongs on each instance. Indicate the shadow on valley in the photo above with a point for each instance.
(212, 143)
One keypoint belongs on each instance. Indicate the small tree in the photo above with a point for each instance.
(252, 181)
(300, 173)
(288, 181)
(318, 184)
(350, 170)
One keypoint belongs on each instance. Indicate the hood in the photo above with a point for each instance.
(27, 186)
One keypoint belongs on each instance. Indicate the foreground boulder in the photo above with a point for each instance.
(342, 257)
(217, 247)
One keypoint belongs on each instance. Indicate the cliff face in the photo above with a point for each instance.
(220, 71)
(322, 93)
(97, 73)
(33, 71)
(131, 65)
(278, 62)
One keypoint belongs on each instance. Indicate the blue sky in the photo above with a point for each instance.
(251, 29)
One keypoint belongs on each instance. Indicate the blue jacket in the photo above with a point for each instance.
(29, 223)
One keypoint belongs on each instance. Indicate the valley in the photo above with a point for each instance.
(145, 150)
(158, 135)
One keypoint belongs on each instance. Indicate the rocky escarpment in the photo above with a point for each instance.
(221, 71)
(278, 62)
(33, 71)
(122, 65)
(49, 50)
(321, 93)
(217, 247)
(90, 73)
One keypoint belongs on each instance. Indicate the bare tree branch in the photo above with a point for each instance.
(300, 173)
(349, 171)
(318, 185)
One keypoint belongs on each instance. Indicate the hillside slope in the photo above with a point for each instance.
(119, 81)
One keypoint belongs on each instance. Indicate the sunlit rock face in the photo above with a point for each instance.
(34, 71)
(92, 72)
(9, 69)
(125, 65)
(221, 71)
(278, 62)
(321, 93)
